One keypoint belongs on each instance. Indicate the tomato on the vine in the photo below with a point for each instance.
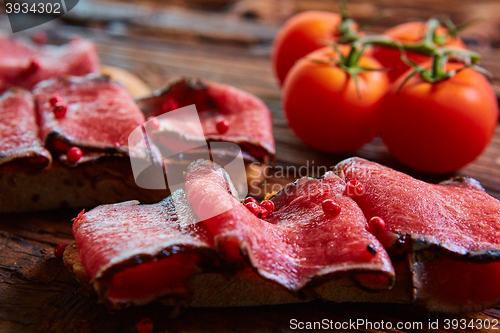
(325, 106)
(411, 33)
(302, 34)
(439, 127)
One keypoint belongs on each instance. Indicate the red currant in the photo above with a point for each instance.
(262, 213)
(145, 325)
(253, 208)
(60, 110)
(54, 99)
(267, 205)
(59, 250)
(74, 154)
(331, 208)
(376, 225)
(34, 66)
(249, 199)
(354, 188)
(222, 126)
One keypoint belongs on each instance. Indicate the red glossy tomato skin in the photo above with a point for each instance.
(409, 33)
(300, 35)
(322, 105)
(439, 127)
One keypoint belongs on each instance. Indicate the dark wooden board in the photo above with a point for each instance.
(212, 41)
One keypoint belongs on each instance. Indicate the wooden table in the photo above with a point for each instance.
(227, 42)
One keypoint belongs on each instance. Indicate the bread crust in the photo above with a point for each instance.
(103, 181)
(87, 185)
(246, 288)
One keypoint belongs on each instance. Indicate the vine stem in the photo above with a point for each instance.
(429, 46)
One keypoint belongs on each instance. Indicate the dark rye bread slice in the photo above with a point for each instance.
(104, 180)
(246, 288)
(101, 181)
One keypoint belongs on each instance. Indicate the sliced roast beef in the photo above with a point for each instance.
(135, 253)
(450, 230)
(98, 115)
(19, 140)
(227, 114)
(25, 64)
(299, 240)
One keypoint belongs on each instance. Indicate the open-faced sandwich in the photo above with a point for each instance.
(361, 233)
(67, 141)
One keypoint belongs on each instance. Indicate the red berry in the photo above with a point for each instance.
(331, 208)
(355, 188)
(145, 325)
(60, 110)
(169, 104)
(59, 250)
(253, 208)
(33, 66)
(74, 154)
(222, 126)
(54, 99)
(39, 38)
(249, 199)
(154, 123)
(376, 225)
(262, 214)
(267, 205)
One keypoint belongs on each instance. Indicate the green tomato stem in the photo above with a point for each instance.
(431, 45)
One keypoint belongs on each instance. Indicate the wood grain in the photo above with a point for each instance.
(37, 294)
(229, 42)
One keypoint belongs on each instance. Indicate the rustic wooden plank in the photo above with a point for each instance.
(37, 294)
(173, 22)
(156, 17)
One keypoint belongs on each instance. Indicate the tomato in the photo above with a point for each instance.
(300, 35)
(410, 33)
(439, 127)
(322, 105)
